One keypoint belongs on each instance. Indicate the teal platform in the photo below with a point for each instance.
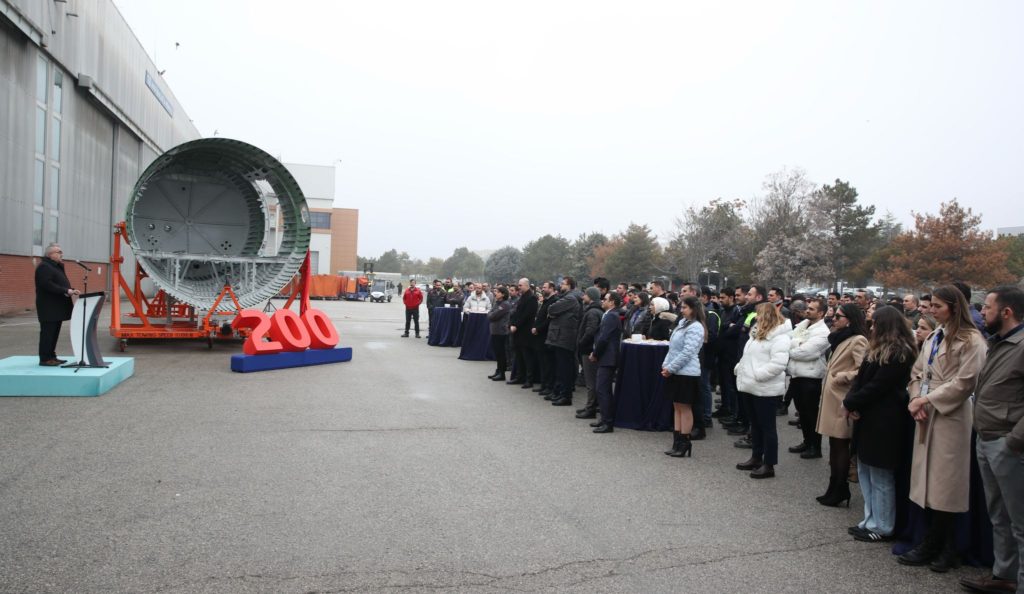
(22, 376)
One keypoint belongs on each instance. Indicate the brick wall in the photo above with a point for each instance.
(17, 284)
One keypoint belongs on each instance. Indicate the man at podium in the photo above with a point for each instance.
(53, 303)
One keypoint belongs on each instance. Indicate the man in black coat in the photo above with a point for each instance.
(53, 303)
(565, 320)
(520, 324)
(539, 335)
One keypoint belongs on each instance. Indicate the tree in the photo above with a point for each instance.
(579, 256)
(1014, 248)
(599, 259)
(779, 213)
(546, 258)
(709, 237)
(463, 264)
(434, 267)
(637, 258)
(888, 228)
(945, 248)
(504, 265)
(792, 260)
(846, 229)
(390, 261)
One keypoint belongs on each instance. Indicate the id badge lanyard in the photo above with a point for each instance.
(926, 384)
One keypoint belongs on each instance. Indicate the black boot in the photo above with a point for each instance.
(676, 437)
(811, 452)
(750, 464)
(763, 472)
(698, 433)
(840, 493)
(685, 447)
(929, 548)
(828, 492)
(947, 558)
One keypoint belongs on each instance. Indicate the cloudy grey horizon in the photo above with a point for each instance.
(471, 124)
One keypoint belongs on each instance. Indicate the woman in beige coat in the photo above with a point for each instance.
(943, 379)
(849, 345)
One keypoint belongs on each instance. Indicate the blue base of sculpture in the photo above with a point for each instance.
(250, 363)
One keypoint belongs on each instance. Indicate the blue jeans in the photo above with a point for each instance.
(705, 392)
(878, 486)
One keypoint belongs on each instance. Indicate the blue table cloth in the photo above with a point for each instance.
(476, 338)
(445, 327)
(638, 391)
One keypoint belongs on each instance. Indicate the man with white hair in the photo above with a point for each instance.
(53, 303)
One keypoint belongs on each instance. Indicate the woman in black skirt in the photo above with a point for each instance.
(681, 371)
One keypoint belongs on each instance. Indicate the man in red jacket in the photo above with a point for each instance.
(412, 299)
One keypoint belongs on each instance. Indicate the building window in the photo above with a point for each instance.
(54, 188)
(58, 91)
(320, 220)
(37, 228)
(52, 231)
(41, 82)
(40, 130)
(37, 190)
(55, 147)
(314, 262)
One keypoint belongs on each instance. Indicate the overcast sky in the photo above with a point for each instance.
(485, 124)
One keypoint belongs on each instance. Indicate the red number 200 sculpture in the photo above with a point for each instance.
(286, 331)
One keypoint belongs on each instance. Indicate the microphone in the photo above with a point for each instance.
(87, 269)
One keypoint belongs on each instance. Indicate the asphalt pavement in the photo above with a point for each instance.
(405, 469)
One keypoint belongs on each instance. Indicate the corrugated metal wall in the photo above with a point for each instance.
(112, 125)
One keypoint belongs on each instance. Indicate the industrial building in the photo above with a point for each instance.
(83, 112)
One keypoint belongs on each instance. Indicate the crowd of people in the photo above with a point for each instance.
(865, 372)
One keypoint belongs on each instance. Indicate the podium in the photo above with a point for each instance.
(84, 317)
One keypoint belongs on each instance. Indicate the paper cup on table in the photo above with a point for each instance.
(637, 337)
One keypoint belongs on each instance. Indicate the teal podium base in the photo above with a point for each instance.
(23, 376)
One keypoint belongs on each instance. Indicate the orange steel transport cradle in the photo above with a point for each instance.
(178, 320)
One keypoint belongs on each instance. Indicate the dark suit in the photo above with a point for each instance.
(545, 356)
(606, 351)
(522, 318)
(53, 305)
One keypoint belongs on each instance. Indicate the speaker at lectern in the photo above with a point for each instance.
(84, 317)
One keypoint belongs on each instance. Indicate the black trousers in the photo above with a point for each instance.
(727, 380)
(412, 315)
(526, 363)
(806, 392)
(498, 346)
(565, 372)
(605, 394)
(764, 437)
(546, 365)
(49, 332)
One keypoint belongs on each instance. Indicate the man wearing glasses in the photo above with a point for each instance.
(53, 303)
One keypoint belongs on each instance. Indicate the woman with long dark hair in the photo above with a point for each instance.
(876, 403)
(681, 371)
(638, 319)
(849, 343)
(761, 374)
(943, 378)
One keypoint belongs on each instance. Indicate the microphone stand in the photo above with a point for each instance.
(85, 291)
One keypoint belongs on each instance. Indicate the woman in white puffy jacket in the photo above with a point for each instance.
(761, 373)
